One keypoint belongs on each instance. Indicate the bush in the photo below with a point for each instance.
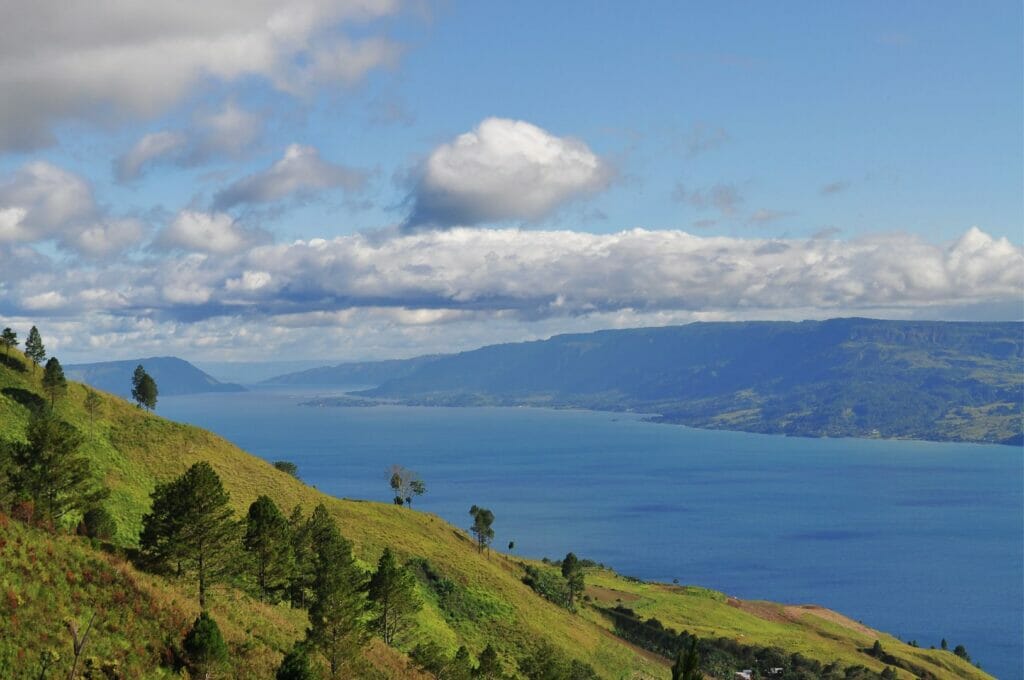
(295, 665)
(287, 467)
(204, 647)
(98, 523)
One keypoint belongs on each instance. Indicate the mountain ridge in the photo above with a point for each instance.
(173, 376)
(943, 381)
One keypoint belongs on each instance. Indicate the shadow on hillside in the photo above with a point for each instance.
(29, 400)
(12, 363)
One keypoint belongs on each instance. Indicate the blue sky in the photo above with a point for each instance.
(394, 178)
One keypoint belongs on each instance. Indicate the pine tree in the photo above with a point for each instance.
(92, 402)
(489, 667)
(9, 339)
(204, 648)
(301, 583)
(392, 593)
(482, 521)
(573, 574)
(144, 390)
(687, 665)
(336, 616)
(268, 540)
(191, 527)
(54, 382)
(48, 468)
(34, 348)
(295, 665)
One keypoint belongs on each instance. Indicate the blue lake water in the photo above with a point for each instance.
(922, 540)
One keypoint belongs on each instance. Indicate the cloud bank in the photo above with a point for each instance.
(60, 61)
(503, 170)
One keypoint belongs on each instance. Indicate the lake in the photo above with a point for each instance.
(922, 540)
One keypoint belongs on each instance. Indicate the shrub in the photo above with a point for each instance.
(204, 647)
(295, 665)
(98, 523)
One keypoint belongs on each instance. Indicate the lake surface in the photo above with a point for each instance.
(922, 540)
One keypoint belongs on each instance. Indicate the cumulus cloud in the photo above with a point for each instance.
(59, 62)
(151, 148)
(204, 232)
(503, 170)
(41, 202)
(227, 132)
(300, 173)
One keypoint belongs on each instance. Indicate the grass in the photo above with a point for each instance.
(134, 450)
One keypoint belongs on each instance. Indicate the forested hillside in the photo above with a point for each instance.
(842, 377)
(476, 612)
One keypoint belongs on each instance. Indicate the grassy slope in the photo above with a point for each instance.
(135, 450)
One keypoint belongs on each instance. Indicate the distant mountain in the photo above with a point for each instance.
(841, 377)
(355, 374)
(172, 375)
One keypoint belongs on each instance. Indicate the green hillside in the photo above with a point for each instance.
(929, 380)
(46, 577)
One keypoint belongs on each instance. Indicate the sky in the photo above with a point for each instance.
(367, 179)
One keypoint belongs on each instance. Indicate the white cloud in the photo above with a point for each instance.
(41, 202)
(73, 60)
(503, 170)
(439, 290)
(227, 132)
(300, 173)
(151, 148)
(204, 232)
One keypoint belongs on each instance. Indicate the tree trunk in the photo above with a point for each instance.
(202, 583)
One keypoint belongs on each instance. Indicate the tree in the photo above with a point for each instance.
(687, 665)
(489, 667)
(48, 469)
(301, 583)
(392, 592)
(92, 402)
(204, 648)
(511, 546)
(405, 484)
(287, 467)
(144, 390)
(336, 616)
(547, 663)
(961, 651)
(9, 339)
(944, 644)
(268, 540)
(34, 348)
(572, 571)
(98, 523)
(54, 382)
(482, 521)
(295, 665)
(191, 527)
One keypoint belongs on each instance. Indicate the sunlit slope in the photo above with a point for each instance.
(134, 450)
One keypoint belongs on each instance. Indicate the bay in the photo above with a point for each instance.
(923, 540)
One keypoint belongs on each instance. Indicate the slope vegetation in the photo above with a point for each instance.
(46, 577)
